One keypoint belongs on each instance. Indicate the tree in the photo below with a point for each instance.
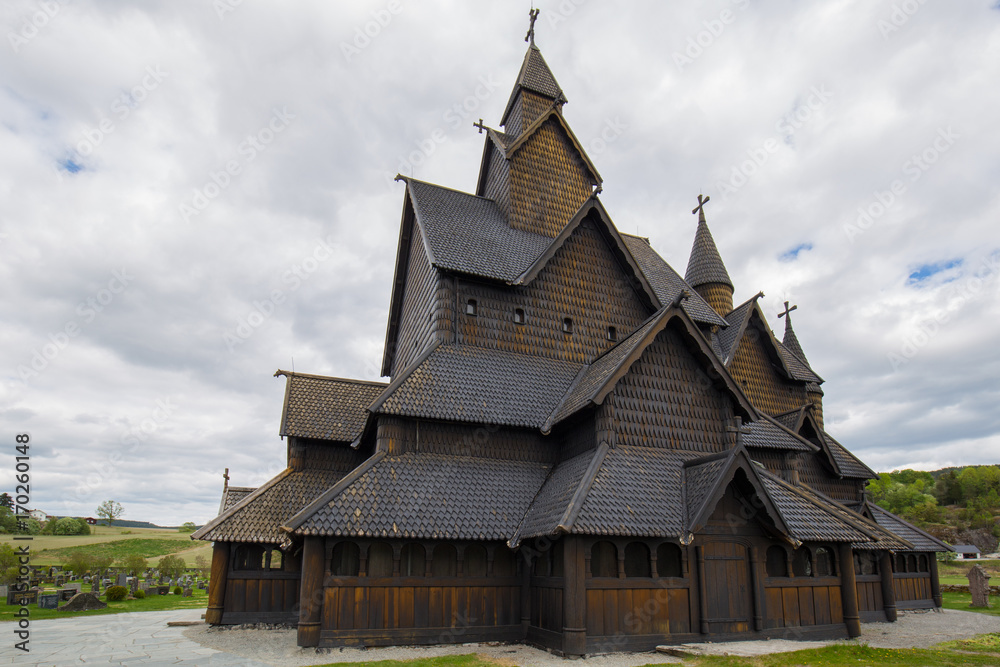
(134, 563)
(6, 501)
(70, 526)
(171, 566)
(8, 564)
(203, 565)
(110, 510)
(187, 527)
(79, 561)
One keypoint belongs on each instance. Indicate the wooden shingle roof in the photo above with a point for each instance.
(921, 540)
(326, 408)
(535, 76)
(705, 264)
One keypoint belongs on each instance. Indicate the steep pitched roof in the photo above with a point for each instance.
(468, 234)
(921, 540)
(474, 384)
(705, 263)
(326, 408)
(749, 314)
(431, 496)
(667, 283)
(535, 76)
(769, 433)
(232, 495)
(600, 377)
(845, 463)
(791, 341)
(258, 516)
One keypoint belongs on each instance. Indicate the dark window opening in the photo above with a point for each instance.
(445, 561)
(471, 308)
(568, 325)
(824, 563)
(474, 561)
(911, 563)
(412, 561)
(543, 564)
(518, 316)
(345, 561)
(380, 560)
(504, 564)
(556, 560)
(923, 564)
(637, 560)
(612, 334)
(604, 560)
(802, 563)
(777, 561)
(668, 560)
(900, 563)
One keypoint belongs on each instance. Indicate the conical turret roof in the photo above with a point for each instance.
(791, 341)
(536, 77)
(705, 264)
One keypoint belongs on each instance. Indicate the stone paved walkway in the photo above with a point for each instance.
(127, 640)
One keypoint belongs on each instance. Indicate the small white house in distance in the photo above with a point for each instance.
(967, 551)
(38, 515)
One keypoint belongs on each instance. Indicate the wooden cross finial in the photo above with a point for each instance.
(225, 477)
(787, 310)
(479, 125)
(700, 208)
(530, 37)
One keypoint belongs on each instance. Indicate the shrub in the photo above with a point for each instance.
(139, 594)
(117, 593)
(79, 561)
(178, 590)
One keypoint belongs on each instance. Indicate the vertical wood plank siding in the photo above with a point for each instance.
(595, 300)
(668, 401)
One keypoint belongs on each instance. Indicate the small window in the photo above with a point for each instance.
(777, 561)
(911, 563)
(900, 563)
(474, 561)
(380, 560)
(345, 560)
(518, 316)
(568, 325)
(612, 334)
(504, 564)
(922, 564)
(604, 560)
(412, 561)
(824, 562)
(637, 560)
(472, 308)
(668, 560)
(445, 561)
(556, 559)
(802, 562)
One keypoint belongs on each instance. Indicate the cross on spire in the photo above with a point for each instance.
(225, 477)
(700, 208)
(479, 125)
(530, 37)
(787, 310)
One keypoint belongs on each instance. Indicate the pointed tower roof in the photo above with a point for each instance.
(790, 340)
(535, 77)
(705, 264)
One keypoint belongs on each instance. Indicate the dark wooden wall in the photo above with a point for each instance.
(398, 435)
(768, 391)
(257, 595)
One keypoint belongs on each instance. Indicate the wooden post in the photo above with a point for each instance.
(702, 590)
(849, 591)
(935, 582)
(311, 592)
(888, 586)
(756, 582)
(526, 563)
(574, 598)
(217, 583)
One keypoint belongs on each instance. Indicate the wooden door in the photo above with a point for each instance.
(728, 605)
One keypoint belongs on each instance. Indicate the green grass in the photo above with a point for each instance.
(150, 548)
(468, 660)
(961, 601)
(198, 599)
(842, 654)
(51, 549)
(982, 644)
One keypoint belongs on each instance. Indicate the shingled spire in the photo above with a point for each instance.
(790, 340)
(705, 271)
(535, 90)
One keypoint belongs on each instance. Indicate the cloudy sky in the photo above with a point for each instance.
(196, 194)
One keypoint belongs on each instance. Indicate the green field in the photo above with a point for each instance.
(148, 542)
(198, 599)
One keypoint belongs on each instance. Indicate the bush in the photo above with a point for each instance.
(117, 593)
(79, 561)
(178, 590)
(139, 594)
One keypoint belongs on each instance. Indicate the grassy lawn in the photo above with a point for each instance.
(148, 542)
(961, 601)
(469, 660)
(198, 600)
(855, 655)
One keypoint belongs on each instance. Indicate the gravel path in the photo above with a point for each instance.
(277, 646)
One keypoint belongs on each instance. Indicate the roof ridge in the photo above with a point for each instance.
(331, 378)
(303, 515)
(572, 512)
(409, 179)
(774, 421)
(224, 516)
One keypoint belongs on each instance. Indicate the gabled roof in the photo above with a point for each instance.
(604, 373)
(769, 433)
(966, 549)
(667, 283)
(468, 234)
(326, 408)
(232, 495)
(740, 320)
(845, 463)
(535, 76)
(432, 496)
(921, 540)
(705, 263)
(258, 516)
(473, 384)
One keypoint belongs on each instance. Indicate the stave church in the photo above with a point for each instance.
(576, 448)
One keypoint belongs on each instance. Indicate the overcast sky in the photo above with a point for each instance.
(193, 194)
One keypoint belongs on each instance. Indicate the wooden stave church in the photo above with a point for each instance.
(578, 448)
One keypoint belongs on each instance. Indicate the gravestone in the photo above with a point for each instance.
(187, 592)
(201, 585)
(83, 602)
(979, 586)
(48, 601)
(95, 586)
(122, 579)
(66, 593)
(22, 598)
(77, 586)
(3, 591)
